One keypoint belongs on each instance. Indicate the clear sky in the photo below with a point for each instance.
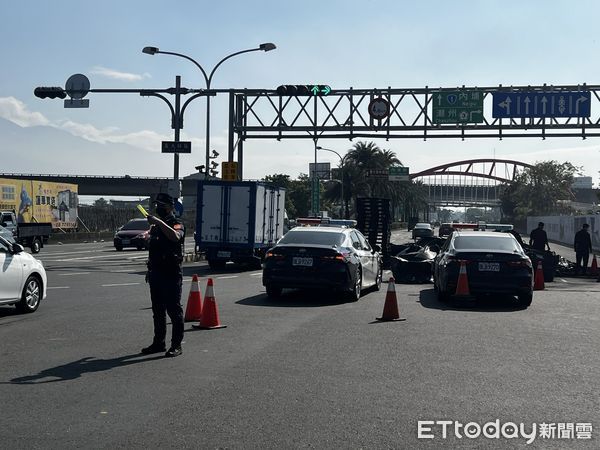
(360, 44)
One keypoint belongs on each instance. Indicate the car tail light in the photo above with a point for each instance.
(274, 256)
(341, 256)
(521, 263)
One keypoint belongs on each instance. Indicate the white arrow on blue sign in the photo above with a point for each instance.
(541, 104)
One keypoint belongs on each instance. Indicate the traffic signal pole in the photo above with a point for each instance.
(177, 110)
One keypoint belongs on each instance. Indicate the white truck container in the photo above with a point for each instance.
(238, 220)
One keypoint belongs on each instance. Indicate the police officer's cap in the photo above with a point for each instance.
(165, 199)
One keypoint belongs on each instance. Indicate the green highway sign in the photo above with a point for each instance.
(398, 173)
(457, 106)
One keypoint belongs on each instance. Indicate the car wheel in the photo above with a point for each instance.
(525, 299)
(31, 296)
(36, 245)
(273, 292)
(356, 289)
(119, 248)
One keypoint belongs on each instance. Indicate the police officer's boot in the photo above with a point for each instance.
(173, 351)
(155, 347)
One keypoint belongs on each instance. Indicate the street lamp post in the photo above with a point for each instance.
(208, 79)
(318, 147)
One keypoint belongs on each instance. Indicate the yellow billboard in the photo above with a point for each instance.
(40, 201)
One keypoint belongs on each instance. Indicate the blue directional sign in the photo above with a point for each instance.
(541, 104)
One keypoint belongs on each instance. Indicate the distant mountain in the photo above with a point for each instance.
(48, 150)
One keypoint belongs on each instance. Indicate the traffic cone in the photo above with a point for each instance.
(462, 285)
(390, 308)
(210, 314)
(594, 268)
(193, 310)
(538, 284)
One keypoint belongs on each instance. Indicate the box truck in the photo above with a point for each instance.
(238, 221)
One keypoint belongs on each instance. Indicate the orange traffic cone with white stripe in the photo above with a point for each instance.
(538, 284)
(210, 313)
(193, 310)
(594, 267)
(462, 285)
(390, 308)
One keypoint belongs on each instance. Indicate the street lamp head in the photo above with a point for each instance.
(267, 47)
(150, 50)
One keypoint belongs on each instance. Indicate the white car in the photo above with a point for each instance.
(22, 277)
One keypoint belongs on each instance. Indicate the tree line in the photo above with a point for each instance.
(355, 172)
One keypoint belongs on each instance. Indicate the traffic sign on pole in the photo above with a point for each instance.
(462, 106)
(316, 200)
(541, 104)
(176, 147)
(398, 173)
(229, 170)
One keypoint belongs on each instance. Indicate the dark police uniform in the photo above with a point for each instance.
(165, 279)
(583, 247)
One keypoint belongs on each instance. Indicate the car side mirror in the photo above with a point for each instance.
(17, 248)
(377, 248)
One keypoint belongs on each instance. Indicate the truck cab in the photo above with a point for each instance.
(32, 235)
(9, 221)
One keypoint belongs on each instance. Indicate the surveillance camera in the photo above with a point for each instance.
(215, 153)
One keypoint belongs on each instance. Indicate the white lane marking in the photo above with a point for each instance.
(224, 278)
(73, 273)
(58, 287)
(119, 284)
(122, 270)
(259, 274)
(84, 257)
(563, 280)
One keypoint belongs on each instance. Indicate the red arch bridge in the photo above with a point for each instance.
(469, 183)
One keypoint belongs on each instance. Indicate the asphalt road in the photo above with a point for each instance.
(305, 371)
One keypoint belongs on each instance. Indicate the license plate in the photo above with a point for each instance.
(489, 267)
(223, 254)
(125, 241)
(302, 261)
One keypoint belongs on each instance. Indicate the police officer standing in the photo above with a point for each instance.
(538, 239)
(164, 275)
(583, 246)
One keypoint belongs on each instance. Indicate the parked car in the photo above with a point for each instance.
(135, 233)
(22, 278)
(335, 258)
(495, 264)
(422, 230)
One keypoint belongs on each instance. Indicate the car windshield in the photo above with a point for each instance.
(136, 225)
(486, 243)
(7, 234)
(312, 237)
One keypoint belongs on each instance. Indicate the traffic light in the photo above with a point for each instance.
(303, 89)
(49, 92)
